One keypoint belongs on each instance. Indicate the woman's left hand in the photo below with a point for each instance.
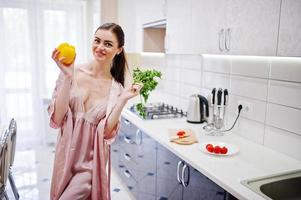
(131, 92)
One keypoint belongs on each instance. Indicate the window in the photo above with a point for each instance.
(29, 31)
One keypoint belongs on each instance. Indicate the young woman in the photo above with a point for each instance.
(86, 106)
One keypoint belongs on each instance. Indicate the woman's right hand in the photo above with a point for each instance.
(68, 70)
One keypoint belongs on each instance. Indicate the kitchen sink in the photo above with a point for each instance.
(284, 186)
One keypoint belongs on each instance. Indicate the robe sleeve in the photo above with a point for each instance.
(113, 134)
(51, 106)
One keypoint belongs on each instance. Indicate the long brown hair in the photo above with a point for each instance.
(119, 64)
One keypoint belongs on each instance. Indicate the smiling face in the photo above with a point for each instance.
(105, 45)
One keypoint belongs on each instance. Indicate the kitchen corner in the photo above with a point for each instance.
(252, 160)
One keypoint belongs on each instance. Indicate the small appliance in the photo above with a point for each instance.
(198, 109)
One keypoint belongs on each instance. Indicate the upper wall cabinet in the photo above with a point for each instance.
(289, 43)
(209, 23)
(252, 27)
(178, 27)
(235, 27)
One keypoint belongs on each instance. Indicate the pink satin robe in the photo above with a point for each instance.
(83, 147)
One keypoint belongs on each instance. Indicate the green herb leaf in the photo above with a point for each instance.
(147, 78)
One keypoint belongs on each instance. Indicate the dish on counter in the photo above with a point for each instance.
(231, 149)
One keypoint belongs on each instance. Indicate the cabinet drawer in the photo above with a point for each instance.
(130, 176)
(127, 127)
(142, 158)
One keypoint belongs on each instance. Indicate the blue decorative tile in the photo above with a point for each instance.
(121, 166)
(163, 198)
(150, 174)
(130, 187)
(115, 150)
(140, 156)
(167, 163)
(116, 190)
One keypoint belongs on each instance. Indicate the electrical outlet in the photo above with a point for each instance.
(247, 107)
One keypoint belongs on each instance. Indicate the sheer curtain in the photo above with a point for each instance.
(29, 31)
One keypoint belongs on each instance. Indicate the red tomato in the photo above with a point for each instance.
(224, 150)
(217, 149)
(180, 133)
(209, 147)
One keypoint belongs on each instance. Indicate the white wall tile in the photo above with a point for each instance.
(249, 129)
(286, 69)
(183, 104)
(173, 60)
(171, 73)
(152, 60)
(171, 99)
(284, 117)
(172, 87)
(256, 112)
(190, 77)
(187, 90)
(216, 80)
(283, 141)
(192, 61)
(285, 93)
(249, 87)
(251, 66)
(214, 63)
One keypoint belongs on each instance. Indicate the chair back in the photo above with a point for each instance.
(5, 157)
(13, 132)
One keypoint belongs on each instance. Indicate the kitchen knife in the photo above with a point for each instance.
(225, 97)
(219, 104)
(219, 96)
(213, 96)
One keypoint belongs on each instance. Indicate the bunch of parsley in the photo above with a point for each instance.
(147, 78)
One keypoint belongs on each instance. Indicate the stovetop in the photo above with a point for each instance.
(160, 110)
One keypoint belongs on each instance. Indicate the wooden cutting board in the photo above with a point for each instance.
(190, 137)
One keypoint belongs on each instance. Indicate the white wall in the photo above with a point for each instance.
(270, 85)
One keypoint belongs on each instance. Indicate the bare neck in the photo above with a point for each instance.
(100, 70)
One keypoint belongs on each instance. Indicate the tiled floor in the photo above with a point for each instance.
(32, 173)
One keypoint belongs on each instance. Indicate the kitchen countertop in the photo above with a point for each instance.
(252, 160)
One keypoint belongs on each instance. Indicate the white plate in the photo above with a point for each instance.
(232, 149)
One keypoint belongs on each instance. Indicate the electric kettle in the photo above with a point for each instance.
(198, 109)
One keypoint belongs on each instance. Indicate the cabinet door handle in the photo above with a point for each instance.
(127, 173)
(220, 39)
(185, 183)
(127, 140)
(227, 39)
(139, 137)
(178, 171)
(127, 122)
(127, 156)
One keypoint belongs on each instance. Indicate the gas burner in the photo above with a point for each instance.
(160, 110)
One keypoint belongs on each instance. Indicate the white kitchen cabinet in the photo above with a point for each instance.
(208, 19)
(289, 43)
(235, 27)
(252, 27)
(178, 27)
